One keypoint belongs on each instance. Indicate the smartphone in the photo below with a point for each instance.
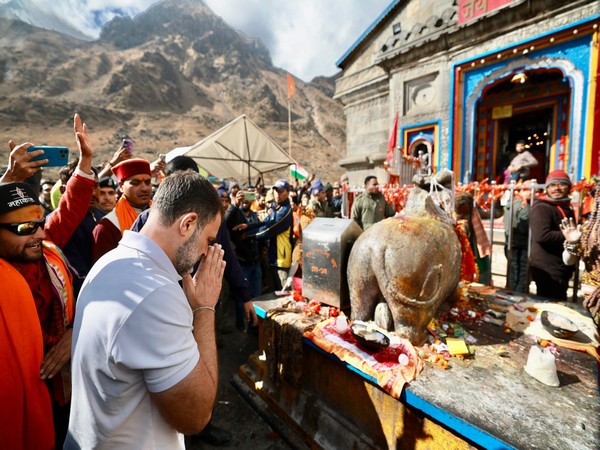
(128, 144)
(162, 157)
(56, 156)
(249, 196)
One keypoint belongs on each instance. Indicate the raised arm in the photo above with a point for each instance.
(120, 155)
(277, 222)
(572, 244)
(74, 203)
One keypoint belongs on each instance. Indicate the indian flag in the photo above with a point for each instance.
(298, 172)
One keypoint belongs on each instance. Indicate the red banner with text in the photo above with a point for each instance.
(471, 9)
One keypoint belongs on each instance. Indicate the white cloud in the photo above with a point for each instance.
(305, 37)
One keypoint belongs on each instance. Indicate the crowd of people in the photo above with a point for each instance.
(118, 285)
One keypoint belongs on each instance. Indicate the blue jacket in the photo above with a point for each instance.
(278, 229)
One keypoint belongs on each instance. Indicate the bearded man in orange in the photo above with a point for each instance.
(135, 184)
(37, 302)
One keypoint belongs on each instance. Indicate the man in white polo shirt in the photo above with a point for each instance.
(144, 352)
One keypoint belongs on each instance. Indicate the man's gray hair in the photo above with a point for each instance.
(185, 192)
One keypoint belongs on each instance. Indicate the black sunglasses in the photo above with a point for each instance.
(24, 228)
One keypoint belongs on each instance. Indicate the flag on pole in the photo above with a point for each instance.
(291, 86)
(392, 143)
(394, 134)
(298, 172)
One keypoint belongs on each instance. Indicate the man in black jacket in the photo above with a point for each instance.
(277, 229)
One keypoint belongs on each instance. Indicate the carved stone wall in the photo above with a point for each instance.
(406, 66)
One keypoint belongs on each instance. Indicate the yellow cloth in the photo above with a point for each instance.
(55, 194)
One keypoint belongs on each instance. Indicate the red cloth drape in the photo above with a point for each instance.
(25, 408)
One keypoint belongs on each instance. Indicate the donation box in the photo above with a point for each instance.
(326, 245)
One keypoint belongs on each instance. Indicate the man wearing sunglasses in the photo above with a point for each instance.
(34, 272)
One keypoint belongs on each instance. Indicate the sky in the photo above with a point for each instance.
(304, 37)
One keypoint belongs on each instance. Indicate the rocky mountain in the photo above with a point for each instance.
(167, 78)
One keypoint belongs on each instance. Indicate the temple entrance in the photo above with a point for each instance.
(535, 128)
(533, 106)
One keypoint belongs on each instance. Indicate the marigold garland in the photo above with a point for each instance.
(395, 195)
(468, 266)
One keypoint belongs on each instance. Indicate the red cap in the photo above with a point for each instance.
(130, 168)
(558, 176)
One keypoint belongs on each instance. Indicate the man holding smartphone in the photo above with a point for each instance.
(246, 248)
(277, 229)
(39, 276)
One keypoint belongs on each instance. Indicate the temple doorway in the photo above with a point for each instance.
(535, 128)
(533, 106)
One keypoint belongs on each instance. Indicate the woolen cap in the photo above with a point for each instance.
(130, 168)
(16, 195)
(558, 176)
(317, 187)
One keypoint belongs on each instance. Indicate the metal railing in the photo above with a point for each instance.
(512, 188)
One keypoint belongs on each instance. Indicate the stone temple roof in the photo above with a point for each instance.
(419, 33)
(384, 15)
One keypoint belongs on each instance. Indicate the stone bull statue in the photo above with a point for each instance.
(411, 262)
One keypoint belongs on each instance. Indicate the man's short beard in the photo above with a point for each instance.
(185, 257)
(24, 256)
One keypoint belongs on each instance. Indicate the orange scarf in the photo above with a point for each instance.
(25, 408)
(62, 280)
(468, 267)
(125, 214)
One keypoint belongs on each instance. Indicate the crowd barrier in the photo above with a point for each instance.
(491, 199)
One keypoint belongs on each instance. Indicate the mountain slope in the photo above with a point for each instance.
(167, 78)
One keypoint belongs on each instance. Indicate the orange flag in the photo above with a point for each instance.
(392, 141)
(291, 86)
(394, 134)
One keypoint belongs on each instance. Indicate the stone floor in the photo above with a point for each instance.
(231, 411)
